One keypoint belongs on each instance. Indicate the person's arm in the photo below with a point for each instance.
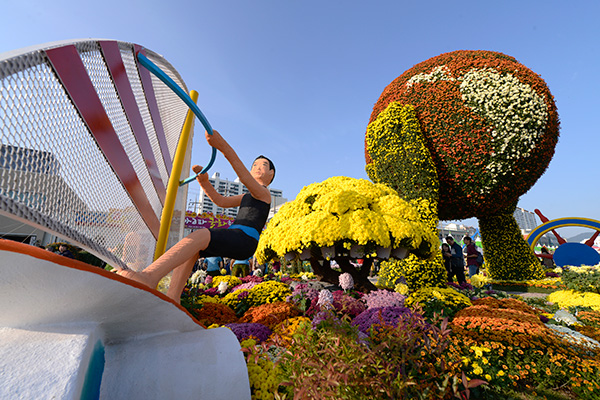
(216, 197)
(471, 251)
(257, 190)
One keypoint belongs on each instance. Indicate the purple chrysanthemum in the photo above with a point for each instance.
(244, 330)
(383, 298)
(389, 316)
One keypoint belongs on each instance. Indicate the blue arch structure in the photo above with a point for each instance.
(568, 253)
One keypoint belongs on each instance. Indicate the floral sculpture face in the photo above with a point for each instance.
(489, 123)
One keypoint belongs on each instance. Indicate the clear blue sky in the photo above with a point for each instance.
(297, 80)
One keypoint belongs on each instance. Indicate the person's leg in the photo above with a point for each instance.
(179, 279)
(185, 250)
(459, 271)
(472, 270)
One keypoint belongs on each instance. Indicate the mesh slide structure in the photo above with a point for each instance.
(87, 142)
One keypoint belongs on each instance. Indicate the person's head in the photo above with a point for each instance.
(62, 247)
(449, 240)
(263, 169)
(445, 247)
(467, 240)
(545, 250)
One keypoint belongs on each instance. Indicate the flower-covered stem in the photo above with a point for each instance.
(507, 255)
(323, 271)
(361, 278)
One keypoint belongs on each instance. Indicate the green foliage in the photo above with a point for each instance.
(582, 279)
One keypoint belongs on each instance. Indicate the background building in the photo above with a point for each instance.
(528, 221)
(202, 203)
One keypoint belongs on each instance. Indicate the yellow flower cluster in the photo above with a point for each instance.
(231, 280)
(231, 299)
(448, 295)
(478, 280)
(399, 156)
(303, 276)
(418, 273)
(570, 298)
(262, 372)
(344, 210)
(268, 292)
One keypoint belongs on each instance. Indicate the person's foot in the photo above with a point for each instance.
(139, 276)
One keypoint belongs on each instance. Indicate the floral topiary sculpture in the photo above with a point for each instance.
(344, 219)
(462, 135)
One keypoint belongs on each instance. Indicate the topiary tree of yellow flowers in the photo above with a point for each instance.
(345, 219)
(462, 135)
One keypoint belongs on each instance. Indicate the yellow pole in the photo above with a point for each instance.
(173, 186)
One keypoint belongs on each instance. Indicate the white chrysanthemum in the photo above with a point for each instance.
(325, 299)
(440, 73)
(223, 287)
(516, 112)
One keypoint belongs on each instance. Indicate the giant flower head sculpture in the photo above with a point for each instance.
(490, 126)
(344, 218)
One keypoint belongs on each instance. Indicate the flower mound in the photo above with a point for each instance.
(489, 122)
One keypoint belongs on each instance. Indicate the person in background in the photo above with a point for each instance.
(547, 259)
(457, 261)
(446, 254)
(64, 251)
(241, 268)
(213, 265)
(472, 255)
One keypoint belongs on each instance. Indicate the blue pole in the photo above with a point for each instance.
(160, 74)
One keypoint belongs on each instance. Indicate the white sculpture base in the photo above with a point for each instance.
(69, 330)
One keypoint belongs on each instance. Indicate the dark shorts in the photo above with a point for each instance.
(230, 243)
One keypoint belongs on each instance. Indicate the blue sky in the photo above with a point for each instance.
(297, 80)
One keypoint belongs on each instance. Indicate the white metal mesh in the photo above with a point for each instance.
(53, 174)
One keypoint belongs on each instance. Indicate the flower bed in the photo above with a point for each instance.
(446, 342)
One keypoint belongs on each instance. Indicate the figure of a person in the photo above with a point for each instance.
(457, 261)
(239, 241)
(547, 259)
(472, 255)
(241, 268)
(213, 265)
(64, 251)
(446, 255)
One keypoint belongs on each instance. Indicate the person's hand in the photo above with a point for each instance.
(215, 140)
(202, 178)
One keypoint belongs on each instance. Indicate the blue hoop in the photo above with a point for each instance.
(159, 73)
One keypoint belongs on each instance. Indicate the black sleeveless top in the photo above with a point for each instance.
(252, 213)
